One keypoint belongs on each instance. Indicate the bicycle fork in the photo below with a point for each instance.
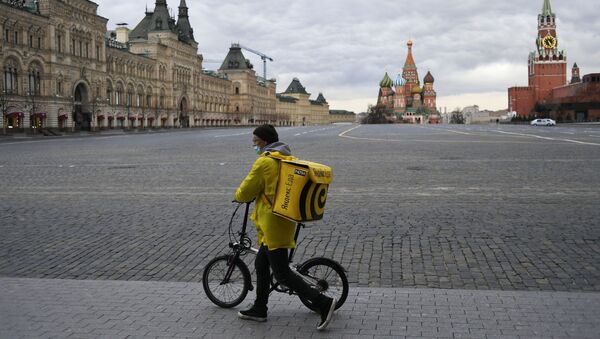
(230, 267)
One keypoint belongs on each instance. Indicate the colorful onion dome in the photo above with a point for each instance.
(416, 89)
(429, 79)
(399, 81)
(386, 81)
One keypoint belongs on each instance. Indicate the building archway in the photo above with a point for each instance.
(184, 119)
(82, 117)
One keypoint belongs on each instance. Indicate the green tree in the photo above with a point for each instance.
(457, 117)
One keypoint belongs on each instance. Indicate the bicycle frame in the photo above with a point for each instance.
(222, 276)
(240, 247)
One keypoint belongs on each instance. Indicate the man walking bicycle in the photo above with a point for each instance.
(275, 234)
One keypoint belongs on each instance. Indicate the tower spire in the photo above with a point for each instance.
(409, 72)
(547, 9)
(410, 61)
(184, 28)
(183, 9)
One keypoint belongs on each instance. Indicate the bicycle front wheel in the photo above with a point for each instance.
(328, 277)
(226, 281)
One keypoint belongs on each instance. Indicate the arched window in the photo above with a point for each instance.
(119, 95)
(109, 93)
(140, 97)
(34, 79)
(59, 84)
(161, 100)
(129, 98)
(149, 97)
(11, 73)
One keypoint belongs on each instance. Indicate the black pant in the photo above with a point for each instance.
(277, 260)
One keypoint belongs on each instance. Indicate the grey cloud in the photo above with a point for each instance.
(333, 45)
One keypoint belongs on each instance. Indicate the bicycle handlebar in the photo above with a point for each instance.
(243, 202)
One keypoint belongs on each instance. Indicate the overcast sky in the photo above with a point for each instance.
(475, 49)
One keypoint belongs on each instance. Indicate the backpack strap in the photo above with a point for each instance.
(267, 201)
(264, 197)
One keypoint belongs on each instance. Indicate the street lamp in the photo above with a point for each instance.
(72, 100)
(108, 110)
(128, 120)
(31, 96)
(95, 102)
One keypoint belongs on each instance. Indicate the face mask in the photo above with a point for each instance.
(257, 149)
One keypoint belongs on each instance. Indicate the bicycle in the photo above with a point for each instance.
(226, 279)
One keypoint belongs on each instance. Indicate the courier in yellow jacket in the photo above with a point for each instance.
(260, 184)
(275, 234)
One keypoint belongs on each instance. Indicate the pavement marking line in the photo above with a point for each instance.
(313, 131)
(549, 138)
(457, 132)
(348, 130)
(65, 139)
(115, 193)
(230, 135)
(343, 135)
(444, 129)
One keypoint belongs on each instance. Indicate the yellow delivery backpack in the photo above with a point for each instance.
(301, 190)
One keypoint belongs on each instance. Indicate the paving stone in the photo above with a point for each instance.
(77, 309)
(128, 209)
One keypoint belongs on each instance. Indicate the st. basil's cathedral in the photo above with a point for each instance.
(404, 100)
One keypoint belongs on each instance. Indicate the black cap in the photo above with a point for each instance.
(267, 133)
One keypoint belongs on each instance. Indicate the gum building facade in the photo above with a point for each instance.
(63, 70)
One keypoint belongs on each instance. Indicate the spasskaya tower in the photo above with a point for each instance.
(547, 67)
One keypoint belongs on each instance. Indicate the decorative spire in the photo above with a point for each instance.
(547, 9)
(184, 28)
(183, 9)
(575, 78)
(161, 21)
(409, 72)
(409, 58)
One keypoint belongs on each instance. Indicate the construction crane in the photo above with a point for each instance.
(262, 56)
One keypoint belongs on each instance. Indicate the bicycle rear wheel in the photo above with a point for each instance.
(328, 277)
(225, 292)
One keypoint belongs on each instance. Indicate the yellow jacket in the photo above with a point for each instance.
(272, 230)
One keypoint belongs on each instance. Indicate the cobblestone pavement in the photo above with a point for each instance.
(452, 207)
(45, 308)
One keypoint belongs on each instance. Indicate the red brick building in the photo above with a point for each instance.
(548, 93)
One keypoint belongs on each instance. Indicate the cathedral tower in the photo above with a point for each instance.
(386, 93)
(429, 95)
(409, 72)
(400, 101)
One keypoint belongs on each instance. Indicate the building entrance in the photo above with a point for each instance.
(81, 115)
